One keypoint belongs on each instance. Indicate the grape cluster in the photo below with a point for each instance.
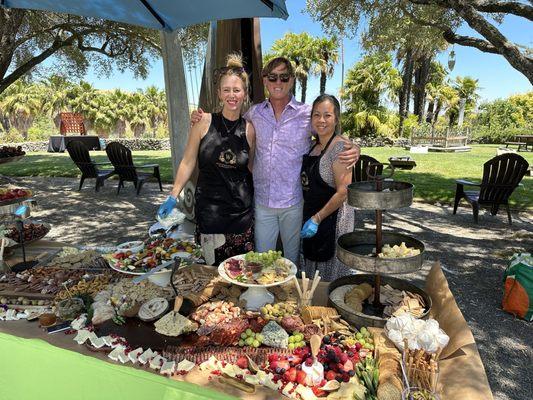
(296, 340)
(362, 339)
(277, 311)
(250, 338)
(266, 259)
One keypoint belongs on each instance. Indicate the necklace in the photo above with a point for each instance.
(228, 130)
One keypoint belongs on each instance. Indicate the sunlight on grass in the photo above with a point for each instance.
(433, 177)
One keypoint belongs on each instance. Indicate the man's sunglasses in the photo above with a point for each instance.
(282, 77)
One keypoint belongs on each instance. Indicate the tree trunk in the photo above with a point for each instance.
(323, 82)
(438, 108)
(429, 113)
(405, 90)
(421, 80)
(460, 118)
(304, 89)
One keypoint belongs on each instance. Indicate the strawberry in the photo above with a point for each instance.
(273, 357)
(348, 366)
(318, 392)
(295, 360)
(283, 364)
(330, 375)
(290, 374)
(242, 362)
(300, 377)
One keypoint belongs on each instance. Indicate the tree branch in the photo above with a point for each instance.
(469, 41)
(488, 6)
(27, 66)
(506, 48)
(507, 7)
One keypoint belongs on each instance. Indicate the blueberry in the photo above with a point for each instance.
(326, 339)
(350, 354)
(282, 370)
(351, 372)
(278, 370)
(339, 378)
(326, 367)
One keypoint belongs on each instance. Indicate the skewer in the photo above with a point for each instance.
(316, 280)
(305, 282)
(298, 287)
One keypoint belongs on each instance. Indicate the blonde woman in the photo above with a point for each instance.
(222, 144)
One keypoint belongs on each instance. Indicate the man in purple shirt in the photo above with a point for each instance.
(283, 136)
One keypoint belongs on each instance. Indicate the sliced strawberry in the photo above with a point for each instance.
(290, 374)
(348, 366)
(318, 392)
(300, 377)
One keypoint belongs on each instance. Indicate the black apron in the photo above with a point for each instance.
(224, 191)
(316, 192)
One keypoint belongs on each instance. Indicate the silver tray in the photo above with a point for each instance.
(395, 194)
(353, 249)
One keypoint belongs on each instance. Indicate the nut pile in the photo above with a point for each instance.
(85, 286)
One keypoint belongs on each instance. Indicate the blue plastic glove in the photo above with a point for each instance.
(167, 207)
(310, 228)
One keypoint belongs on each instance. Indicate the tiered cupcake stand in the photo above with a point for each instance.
(359, 249)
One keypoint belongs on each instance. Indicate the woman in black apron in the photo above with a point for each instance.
(324, 183)
(221, 143)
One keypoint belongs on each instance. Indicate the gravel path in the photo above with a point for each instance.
(473, 257)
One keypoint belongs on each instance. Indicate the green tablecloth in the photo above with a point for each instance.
(31, 369)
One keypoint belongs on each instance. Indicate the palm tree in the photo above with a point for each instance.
(327, 53)
(56, 96)
(21, 103)
(157, 106)
(81, 101)
(367, 84)
(466, 89)
(138, 113)
(298, 48)
(119, 101)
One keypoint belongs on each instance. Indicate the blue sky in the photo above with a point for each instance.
(496, 77)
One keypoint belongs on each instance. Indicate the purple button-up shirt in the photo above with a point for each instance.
(279, 149)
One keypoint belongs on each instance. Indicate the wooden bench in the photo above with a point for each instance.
(519, 144)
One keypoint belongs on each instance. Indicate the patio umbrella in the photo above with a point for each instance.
(165, 15)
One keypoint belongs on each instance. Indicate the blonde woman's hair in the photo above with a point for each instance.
(234, 66)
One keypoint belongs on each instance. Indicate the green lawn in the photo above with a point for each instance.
(433, 176)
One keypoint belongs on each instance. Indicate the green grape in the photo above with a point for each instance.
(241, 343)
(244, 335)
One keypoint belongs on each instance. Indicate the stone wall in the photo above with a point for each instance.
(164, 144)
(132, 144)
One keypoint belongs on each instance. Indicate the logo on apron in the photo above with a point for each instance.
(305, 180)
(227, 157)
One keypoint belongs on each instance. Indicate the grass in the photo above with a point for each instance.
(433, 177)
